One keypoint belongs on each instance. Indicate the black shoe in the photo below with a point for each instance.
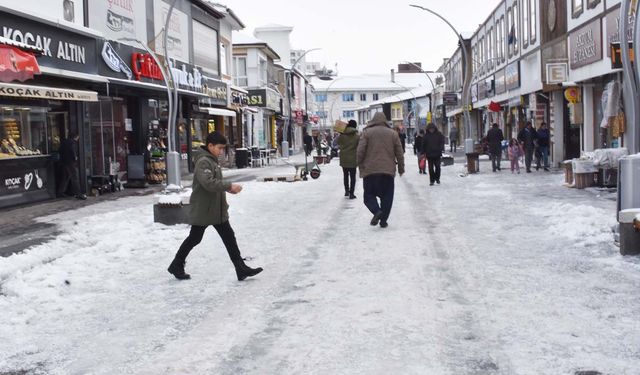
(546, 169)
(176, 268)
(383, 224)
(431, 183)
(346, 193)
(351, 196)
(81, 197)
(243, 271)
(376, 218)
(528, 170)
(438, 182)
(537, 168)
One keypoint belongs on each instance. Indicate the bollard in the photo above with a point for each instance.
(629, 231)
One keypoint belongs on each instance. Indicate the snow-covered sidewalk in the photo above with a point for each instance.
(487, 274)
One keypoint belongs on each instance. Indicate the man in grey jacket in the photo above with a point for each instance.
(379, 153)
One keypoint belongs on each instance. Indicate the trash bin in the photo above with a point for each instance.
(629, 231)
(628, 182)
(242, 157)
(473, 162)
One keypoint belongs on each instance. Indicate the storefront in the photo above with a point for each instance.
(261, 126)
(36, 112)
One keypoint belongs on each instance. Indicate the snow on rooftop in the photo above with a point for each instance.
(374, 82)
(241, 38)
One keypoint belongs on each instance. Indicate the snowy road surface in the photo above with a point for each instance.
(486, 274)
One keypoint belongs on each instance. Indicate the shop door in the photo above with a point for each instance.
(571, 136)
(57, 130)
(106, 137)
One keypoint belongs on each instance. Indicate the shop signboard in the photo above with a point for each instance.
(239, 98)
(499, 82)
(119, 18)
(557, 73)
(613, 29)
(585, 45)
(49, 93)
(62, 48)
(450, 98)
(178, 35)
(512, 75)
(488, 87)
(264, 98)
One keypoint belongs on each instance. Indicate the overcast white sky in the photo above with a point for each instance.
(368, 36)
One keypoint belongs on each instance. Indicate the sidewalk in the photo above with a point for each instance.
(19, 228)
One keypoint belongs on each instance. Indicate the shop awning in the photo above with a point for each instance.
(43, 92)
(250, 109)
(219, 111)
(16, 64)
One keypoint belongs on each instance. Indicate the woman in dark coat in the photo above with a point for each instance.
(495, 138)
(432, 146)
(348, 143)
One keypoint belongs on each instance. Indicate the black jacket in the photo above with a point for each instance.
(495, 138)
(68, 151)
(528, 138)
(432, 143)
(417, 144)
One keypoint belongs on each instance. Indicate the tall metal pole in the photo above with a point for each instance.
(173, 158)
(287, 124)
(631, 81)
(466, 89)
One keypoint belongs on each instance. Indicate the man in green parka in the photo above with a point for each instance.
(348, 143)
(208, 206)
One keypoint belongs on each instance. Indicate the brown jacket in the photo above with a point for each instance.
(379, 149)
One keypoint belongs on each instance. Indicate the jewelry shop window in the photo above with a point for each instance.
(23, 132)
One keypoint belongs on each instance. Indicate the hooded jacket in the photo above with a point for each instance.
(348, 143)
(379, 149)
(432, 143)
(208, 202)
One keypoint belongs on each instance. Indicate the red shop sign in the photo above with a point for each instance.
(143, 65)
(16, 64)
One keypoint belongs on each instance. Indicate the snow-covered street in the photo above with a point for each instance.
(492, 273)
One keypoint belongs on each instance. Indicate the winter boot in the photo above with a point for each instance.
(243, 271)
(176, 268)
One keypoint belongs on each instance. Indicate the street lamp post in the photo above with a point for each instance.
(467, 79)
(287, 124)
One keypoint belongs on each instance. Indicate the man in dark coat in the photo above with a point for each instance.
(495, 138)
(379, 153)
(417, 149)
(348, 143)
(308, 143)
(208, 206)
(68, 161)
(527, 138)
(432, 146)
(453, 139)
(544, 137)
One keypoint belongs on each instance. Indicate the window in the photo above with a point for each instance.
(348, 114)
(501, 39)
(515, 17)
(363, 97)
(321, 114)
(223, 59)
(532, 16)
(205, 48)
(262, 72)
(509, 33)
(376, 96)
(525, 23)
(240, 77)
(592, 3)
(347, 97)
(577, 6)
(321, 98)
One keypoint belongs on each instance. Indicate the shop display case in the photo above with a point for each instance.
(156, 145)
(23, 132)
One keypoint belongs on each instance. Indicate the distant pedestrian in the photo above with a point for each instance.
(403, 138)
(453, 139)
(527, 138)
(379, 153)
(515, 152)
(417, 149)
(494, 139)
(308, 143)
(69, 165)
(348, 144)
(544, 137)
(432, 147)
(208, 206)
